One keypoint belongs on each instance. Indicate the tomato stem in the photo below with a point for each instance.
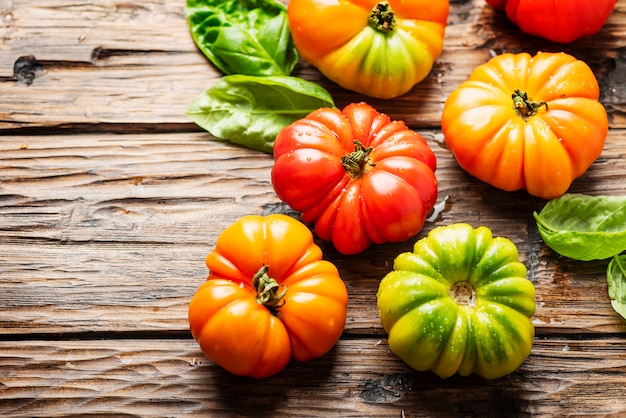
(382, 17)
(269, 292)
(524, 106)
(463, 293)
(357, 161)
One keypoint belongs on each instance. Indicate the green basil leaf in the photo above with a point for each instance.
(251, 111)
(616, 279)
(243, 36)
(584, 227)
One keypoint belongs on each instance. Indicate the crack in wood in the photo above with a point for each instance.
(89, 128)
(27, 68)
(101, 54)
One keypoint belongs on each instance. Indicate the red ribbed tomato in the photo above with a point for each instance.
(359, 176)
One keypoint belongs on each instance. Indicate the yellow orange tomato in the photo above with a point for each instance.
(527, 122)
(269, 297)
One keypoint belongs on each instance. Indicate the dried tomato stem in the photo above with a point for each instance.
(524, 106)
(463, 293)
(269, 292)
(382, 17)
(357, 161)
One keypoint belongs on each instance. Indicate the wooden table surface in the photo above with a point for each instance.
(110, 198)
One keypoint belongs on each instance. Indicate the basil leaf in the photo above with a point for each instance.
(243, 36)
(584, 227)
(616, 279)
(251, 111)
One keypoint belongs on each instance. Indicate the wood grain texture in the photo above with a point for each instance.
(110, 198)
(122, 63)
(138, 378)
(97, 229)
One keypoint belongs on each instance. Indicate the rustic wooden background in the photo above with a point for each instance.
(110, 198)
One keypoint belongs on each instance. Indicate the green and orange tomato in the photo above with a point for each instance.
(376, 48)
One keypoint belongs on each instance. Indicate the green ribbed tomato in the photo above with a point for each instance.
(459, 303)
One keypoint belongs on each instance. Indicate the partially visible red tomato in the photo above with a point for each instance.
(361, 177)
(269, 297)
(561, 21)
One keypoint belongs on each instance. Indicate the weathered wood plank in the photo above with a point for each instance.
(103, 236)
(122, 63)
(562, 377)
(107, 233)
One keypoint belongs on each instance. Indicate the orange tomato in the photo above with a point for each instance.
(269, 297)
(527, 122)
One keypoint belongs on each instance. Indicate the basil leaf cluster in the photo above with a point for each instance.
(584, 227)
(251, 111)
(616, 280)
(243, 36)
(250, 41)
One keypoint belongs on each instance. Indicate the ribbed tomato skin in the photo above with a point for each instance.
(249, 338)
(542, 153)
(335, 36)
(459, 303)
(388, 202)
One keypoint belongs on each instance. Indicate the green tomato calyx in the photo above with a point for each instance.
(524, 106)
(382, 17)
(357, 162)
(463, 293)
(269, 292)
